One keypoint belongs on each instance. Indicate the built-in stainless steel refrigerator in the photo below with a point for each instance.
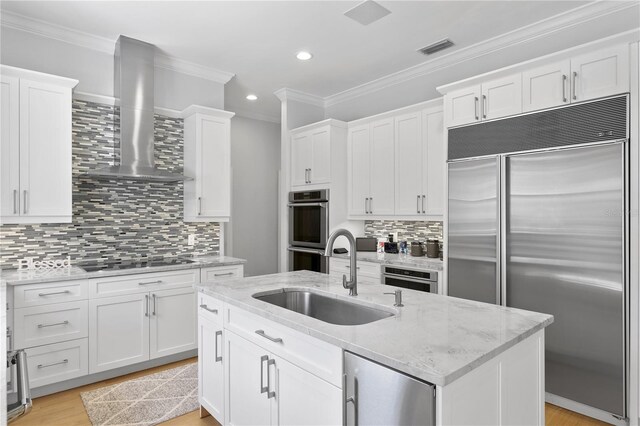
(536, 220)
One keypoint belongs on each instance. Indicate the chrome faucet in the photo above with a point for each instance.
(352, 284)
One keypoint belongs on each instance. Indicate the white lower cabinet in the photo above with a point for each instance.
(57, 362)
(247, 399)
(264, 388)
(210, 367)
(119, 330)
(172, 322)
(305, 399)
(138, 327)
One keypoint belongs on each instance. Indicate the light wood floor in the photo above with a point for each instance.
(66, 408)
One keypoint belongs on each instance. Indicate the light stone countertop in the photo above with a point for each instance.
(21, 277)
(435, 338)
(421, 262)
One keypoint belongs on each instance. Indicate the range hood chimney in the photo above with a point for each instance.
(133, 86)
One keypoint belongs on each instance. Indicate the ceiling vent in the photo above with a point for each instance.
(436, 47)
(367, 12)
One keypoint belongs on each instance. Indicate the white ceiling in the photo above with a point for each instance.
(257, 41)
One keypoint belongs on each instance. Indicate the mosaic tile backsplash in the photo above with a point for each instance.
(407, 230)
(115, 219)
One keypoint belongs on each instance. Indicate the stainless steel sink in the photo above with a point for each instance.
(327, 309)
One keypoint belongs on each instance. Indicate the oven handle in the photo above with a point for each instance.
(323, 205)
(413, 280)
(307, 250)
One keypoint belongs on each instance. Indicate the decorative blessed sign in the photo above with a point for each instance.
(30, 264)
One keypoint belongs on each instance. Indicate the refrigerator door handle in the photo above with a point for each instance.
(501, 243)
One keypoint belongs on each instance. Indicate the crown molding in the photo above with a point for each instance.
(199, 109)
(102, 44)
(287, 94)
(257, 116)
(546, 27)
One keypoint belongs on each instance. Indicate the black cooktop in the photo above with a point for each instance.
(133, 264)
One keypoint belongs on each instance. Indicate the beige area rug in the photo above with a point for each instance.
(147, 400)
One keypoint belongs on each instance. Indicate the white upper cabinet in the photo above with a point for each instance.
(463, 106)
(312, 148)
(207, 160)
(434, 156)
(35, 147)
(359, 169)
(409, 159)
(493, 99)
(546, 86)
(301, 152)
(539, 85)
(502, 97)
(601, 73)
(396, 165)
(381, 192)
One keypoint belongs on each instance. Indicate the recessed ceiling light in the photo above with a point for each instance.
(252, 97)
(304, 56)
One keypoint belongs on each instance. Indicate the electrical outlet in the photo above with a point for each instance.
(191, 240)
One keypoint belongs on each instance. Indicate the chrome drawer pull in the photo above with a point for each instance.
(218, 333)
(53, 325)
(206, 308)
(54, 292)
(223, 275)
(64, 361)
(263, 388)
(151, 282)
(273, 339)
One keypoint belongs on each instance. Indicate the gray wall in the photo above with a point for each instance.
(252, 233)
(94, 69)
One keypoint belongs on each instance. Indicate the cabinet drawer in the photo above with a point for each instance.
(57, 362)
(142, 283)
(45, 294)
(42, 325)
(216, 273)
(210, 308)
(310, 354)
(342, 266)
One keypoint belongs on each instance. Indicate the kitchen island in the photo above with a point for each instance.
(262, 363)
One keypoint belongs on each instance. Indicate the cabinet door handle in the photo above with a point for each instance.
(206, 308)
(24, 200)
(575, 77)
(263, 388)
(365, 206)
(564, 88)
(351, 399)
(15, 203)
(475, 106)
(270, 393)
(199, 206)
(418, 204)
(53, 324)
(53, 292)
(266, 336)
(146, 305)
(153, 296)
(150, 282)
(484, 106)
(219, 333)
(64, 361)
(370, 205)
(424, 198)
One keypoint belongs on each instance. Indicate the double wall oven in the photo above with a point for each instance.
(308, 230)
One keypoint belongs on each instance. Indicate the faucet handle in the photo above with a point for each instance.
(344, 281)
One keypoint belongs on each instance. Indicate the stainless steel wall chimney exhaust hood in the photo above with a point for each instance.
(133, 86)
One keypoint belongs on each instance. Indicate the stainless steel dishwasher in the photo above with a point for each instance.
(378, 395)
